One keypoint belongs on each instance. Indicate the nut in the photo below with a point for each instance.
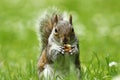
(67, 47)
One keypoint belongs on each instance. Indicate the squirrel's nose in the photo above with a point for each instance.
(65, 40)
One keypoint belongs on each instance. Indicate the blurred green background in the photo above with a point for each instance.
(96, 22)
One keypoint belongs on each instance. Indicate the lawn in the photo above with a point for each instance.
(96, 23)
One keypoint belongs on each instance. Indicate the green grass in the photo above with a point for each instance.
(97, 23)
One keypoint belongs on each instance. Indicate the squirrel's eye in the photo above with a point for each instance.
(56, 30)
(72, 30)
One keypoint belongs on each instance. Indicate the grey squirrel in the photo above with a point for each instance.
(60, 47)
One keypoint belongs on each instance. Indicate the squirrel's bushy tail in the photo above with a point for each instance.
(46, 25)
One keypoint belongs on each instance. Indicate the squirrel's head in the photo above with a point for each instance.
(63, 31)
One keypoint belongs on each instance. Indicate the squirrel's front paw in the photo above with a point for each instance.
(57, 49)
(73, 50)
(61, 50)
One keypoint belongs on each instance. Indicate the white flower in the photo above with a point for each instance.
(112, 64)
(116, 78)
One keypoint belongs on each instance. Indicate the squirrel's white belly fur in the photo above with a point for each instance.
(59, 70)
(50, 74)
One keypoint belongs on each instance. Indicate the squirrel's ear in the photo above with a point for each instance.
(56, 19)
(70, 19)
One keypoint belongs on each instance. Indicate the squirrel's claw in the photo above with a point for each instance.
(61, 50)
(72, 51)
